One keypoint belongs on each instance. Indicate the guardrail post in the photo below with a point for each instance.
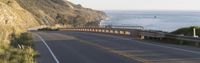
(93, 30)
(142, 37)
(81, 29)
(107, 31)
(96, 30)
(117, 32)
(100, 30)
(127, 32)
(111, 31)
(122, 32)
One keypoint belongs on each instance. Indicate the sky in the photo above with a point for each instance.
(140, 4)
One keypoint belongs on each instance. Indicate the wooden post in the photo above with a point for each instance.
(100, 30)
(107, 31)
(96, 30)
(93, 30)
(142, 37)
(110, 31)
(115, 31)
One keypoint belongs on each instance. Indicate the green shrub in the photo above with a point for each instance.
(188, 31)
(48, 29)
(24, 39)
(20, 50)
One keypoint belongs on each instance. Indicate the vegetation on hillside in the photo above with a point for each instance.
(51, 12)
(18, 15)
(19, 50)
(48, 29)
(187, 31)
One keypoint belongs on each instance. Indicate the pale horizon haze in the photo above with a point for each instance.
(140, 4)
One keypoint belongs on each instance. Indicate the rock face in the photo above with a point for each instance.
(18, 15)
(50, 12)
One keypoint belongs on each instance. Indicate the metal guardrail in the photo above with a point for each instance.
(136, 33)
(186, 38)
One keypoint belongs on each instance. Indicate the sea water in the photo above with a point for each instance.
(153, 20)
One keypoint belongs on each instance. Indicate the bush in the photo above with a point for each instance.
(20, 50)
(48, 29)
(24, 39)
(188, 31)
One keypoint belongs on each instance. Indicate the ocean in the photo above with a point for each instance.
(153, 20)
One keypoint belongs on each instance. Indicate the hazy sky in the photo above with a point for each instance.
(140, 4)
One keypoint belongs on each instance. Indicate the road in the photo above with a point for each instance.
(85, 47)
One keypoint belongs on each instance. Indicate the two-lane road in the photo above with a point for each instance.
(85, 47)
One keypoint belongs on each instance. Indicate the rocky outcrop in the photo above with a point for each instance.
(13, 18)
(50, 12)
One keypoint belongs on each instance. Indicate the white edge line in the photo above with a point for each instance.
(180, 49)
(49, 49)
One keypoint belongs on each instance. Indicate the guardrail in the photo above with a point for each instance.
(137, 33)
(196, 40)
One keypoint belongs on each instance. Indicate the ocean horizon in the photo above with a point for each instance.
(153, 20)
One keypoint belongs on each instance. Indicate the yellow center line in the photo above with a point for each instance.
(116, 52)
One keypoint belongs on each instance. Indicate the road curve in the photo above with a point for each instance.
(85, 47)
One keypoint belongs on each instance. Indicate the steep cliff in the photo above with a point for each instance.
(13, 18)
(50, 12)
(18, 15)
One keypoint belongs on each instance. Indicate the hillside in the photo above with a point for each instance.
(187, 31)
(50, 12)
(18, 15)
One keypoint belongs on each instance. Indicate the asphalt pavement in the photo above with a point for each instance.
(87, 47)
